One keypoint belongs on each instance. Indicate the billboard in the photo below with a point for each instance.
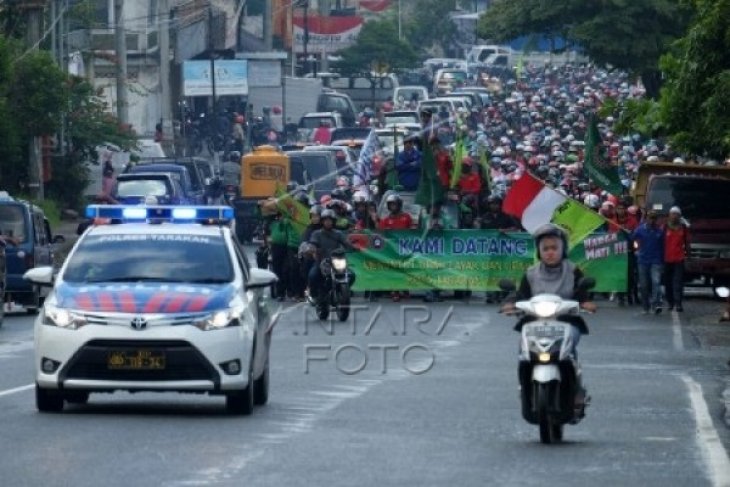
(326, 34)
(231, 78)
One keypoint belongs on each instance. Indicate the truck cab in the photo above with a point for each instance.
(701, 193)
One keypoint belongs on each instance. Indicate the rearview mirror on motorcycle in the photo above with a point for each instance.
(506, 285)
(586, 283)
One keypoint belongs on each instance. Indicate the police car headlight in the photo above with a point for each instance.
(545, 309)
(339, 264)
(61, 317)
(222, 318)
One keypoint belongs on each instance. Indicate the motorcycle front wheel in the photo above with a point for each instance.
(550, 430)
(343, 302)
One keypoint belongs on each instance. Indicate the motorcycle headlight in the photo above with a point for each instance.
(222, 318)
(339, 264)
(61, 317)
(545, 309)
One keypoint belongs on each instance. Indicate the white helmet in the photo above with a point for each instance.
(592, 201)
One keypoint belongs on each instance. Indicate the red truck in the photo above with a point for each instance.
(703, 194)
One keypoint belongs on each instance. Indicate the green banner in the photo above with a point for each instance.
(472, 259)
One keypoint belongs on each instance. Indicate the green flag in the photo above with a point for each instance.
(296, 212)
(459, 150)
(577, 220)
(599, 169)
(430, 190)
(391, 176)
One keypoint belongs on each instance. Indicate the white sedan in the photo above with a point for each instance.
(157, 299)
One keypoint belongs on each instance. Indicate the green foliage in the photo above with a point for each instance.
(642, 116)
(39, 93)
(377, 49)
(695, 105)
(626, 34)
(425, 25)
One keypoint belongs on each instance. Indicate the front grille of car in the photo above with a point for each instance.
(704, 252)
(183, 362)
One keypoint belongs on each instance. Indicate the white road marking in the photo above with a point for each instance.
(677, 331)
(14, 390)
(712, 450)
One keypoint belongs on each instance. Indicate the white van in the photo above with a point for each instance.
(480, 53)
(405, 97)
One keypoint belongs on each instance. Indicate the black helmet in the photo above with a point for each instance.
(339, 194)
(550, 230)
(315, 210)
(292, 186)
(302, 198)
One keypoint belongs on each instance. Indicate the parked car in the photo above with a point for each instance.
(190, 194)
(204, 179)
(345, 157)
(445, 80)
(333, 101)
(29, 244)
(317, 169)
(408, 97)
(311, 121)
(133, 188)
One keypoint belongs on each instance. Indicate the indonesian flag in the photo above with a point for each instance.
(536, 204)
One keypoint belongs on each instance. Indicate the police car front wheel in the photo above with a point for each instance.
(241, 402)
(48, 400)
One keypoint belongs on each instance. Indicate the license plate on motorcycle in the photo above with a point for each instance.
(136, 360)
(546, 331)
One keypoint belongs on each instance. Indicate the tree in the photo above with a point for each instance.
(377, 49)
(35, 98)
(695, 101)
(625, 34)
(426, 24)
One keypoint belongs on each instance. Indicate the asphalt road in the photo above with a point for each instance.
(445, 414)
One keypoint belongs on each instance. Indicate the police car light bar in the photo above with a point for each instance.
(170, 214)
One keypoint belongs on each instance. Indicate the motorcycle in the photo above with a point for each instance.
(335, 292)
(549, 371)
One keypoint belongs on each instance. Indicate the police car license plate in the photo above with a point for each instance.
(136, 360)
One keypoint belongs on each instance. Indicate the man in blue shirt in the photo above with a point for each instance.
(649, 237)
(408, 166)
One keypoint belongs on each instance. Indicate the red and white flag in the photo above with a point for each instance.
(536, 204)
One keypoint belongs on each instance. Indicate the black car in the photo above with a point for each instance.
(205, 183)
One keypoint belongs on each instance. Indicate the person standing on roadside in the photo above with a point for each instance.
(649, 237)
(676, 249)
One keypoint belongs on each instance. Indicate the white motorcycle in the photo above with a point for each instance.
(549, 372)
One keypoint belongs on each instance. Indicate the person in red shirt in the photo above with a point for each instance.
(322, 134)
(397, 219)
(470, 181)
(444, 164)
(676, 248)
(626, 222)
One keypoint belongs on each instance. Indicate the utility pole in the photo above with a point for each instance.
(121, 48)
(268, 19)
(33, 10)
(163, 22)
(306, 36)
(325, 10)
(211, 50)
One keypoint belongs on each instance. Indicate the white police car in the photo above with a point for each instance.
(159, 299)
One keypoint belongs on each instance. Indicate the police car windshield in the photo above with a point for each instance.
(202, 259)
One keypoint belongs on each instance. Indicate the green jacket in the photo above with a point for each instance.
(278, 231)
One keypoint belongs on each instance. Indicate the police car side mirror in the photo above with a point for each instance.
(42, 276)
(260, 278)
